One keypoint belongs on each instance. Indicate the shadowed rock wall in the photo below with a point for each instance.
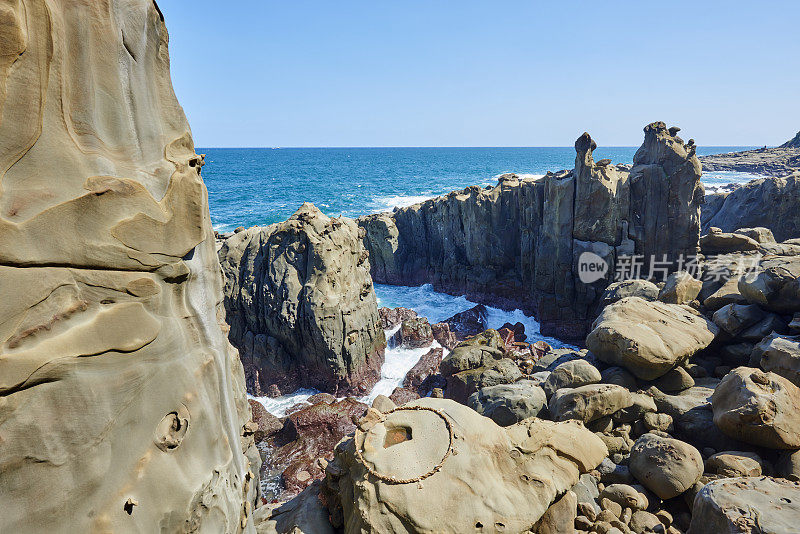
(122, 405)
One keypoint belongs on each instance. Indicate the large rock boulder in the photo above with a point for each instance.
(758, 408)
(122, 405)
(301, 305)
(507, 404)
(665, 466)
(588, 403)
(776, 286)
(571, 374)
(747, 505)
(767, 202)
(680, 288)
(649, 338)
(484, 477)
(779, 354)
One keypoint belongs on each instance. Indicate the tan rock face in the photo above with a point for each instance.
(648, 338)
(758, 408)
(491, 478)
(301, 305)
(117, 384)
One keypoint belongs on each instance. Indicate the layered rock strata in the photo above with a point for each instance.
(301, 305)
(122, 405)
(521, 244)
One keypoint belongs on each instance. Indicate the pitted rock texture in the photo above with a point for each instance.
(494, 479)
(518, 244)
(301, 305)
(122, 405)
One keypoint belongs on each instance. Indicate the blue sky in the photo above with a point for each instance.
(480, 73)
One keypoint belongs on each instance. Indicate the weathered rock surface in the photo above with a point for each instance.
(588, 403)
(468, 323)
(768, 202)
(759, 408)
(629, 288)
(777, 161)
(489, 484)
(301, 305)
(507, 404)
(520, 244)
(747, 505)
(734, 464)
(648, 338)
(571, 374)
(779, 354)
(426, 367)
(309, 434)
(665, 466)
(391, 317)
(122, 405)
(413, 334)
(680, 288)
(776, 286)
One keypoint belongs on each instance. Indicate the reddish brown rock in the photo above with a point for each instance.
(442, 334)
(427, 366)
(391, 317)
(414, 333)
(507, 336)
(309, 434)
(518, 329)
(401, 396)
(540, 348)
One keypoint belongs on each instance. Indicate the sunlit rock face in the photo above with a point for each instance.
(122, 406)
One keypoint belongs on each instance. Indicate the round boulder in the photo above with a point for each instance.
(665, 466)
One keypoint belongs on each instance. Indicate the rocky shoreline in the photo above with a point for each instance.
(777, 161)
(124, 408)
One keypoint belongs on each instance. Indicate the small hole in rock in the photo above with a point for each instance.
(478, 525)
(396, 435)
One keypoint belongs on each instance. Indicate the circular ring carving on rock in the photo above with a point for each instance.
(399, 434)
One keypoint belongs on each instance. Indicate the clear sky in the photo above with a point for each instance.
(484, 73)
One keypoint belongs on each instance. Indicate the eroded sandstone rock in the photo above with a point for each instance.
(122, 405)
(759, 408)
(301, 305)
(649, 338)
(486, 478)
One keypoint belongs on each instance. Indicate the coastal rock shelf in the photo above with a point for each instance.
(122, 405)
(518, 245)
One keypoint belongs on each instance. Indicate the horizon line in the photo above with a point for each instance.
(463, 146)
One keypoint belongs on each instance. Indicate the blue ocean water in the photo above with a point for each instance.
(258, 186)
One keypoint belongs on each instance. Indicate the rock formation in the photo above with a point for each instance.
(520, 244)
(301, 305)
(778, 161)
(486, 478)
(768, 202)
(122, 405)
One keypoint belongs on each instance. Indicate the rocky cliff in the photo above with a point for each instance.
(301, 305)
(122, 406)
(518, 244)
(768, 202)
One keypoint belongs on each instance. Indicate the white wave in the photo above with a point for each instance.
(398, 201)
(438, 306)
(522, 175)
(277, 406)
(397, 364)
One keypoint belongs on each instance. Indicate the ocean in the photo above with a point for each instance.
(259, 186)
